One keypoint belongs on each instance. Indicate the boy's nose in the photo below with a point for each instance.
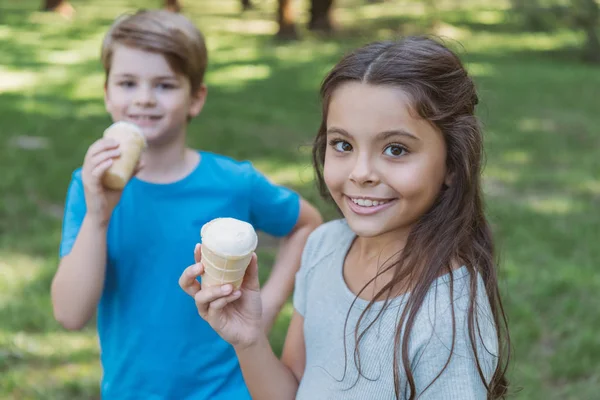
(145, 97)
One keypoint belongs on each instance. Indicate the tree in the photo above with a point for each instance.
(320, 16)
(578, 14)
(62, 7)
(285, 19)
(173, 5)
(586, 14)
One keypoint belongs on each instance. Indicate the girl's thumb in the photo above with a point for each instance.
(251, 277)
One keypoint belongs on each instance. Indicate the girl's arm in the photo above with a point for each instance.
(268, 377)
(237, 317)
(278, 287)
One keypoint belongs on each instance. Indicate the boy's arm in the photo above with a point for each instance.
(79, 280)
(78, 283)
(281, 280)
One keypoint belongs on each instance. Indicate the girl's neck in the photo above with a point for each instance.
(168, 163)
(367, 257)
(375, 251)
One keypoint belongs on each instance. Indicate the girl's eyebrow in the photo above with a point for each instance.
(380, 136)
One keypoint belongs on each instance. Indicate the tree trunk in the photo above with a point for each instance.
(63, 7)
(592, 46)
(246, 5)
(173, 5)
(320, 16)
(587, 17)
(285, 19)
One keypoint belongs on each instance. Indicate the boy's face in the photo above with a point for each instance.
(143, 89)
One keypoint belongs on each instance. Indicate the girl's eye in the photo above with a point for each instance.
(395, 150)
(340, 145)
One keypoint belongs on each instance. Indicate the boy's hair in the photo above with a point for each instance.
(164, 32)
(455, 229)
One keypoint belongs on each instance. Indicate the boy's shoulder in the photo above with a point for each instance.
(227, 165)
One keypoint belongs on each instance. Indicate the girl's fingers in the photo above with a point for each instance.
(218, 304)
(209, 294)
(188, 281)
(251, 277)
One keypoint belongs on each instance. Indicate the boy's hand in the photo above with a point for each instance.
(234, 315)
(99, 200)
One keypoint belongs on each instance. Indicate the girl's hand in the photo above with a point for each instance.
(234, 315)
(99, 200)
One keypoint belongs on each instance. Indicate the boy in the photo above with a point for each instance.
(123, 252)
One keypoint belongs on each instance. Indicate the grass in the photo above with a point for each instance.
(539, 105)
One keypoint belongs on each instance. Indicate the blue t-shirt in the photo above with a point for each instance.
(153, 343)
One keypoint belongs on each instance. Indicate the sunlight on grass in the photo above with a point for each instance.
(516, 157)
(237, 75)
(294, 174)
(481, 69)
(553, 205)
(252, 27)
(17, 270)
(54, 344)
(452, 32)
(89, 87)
(536, 125)
(501, 174)
(590, 186)
(490, 17)
(491, 43)
(16, 81)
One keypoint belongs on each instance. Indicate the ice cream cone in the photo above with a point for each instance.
(131, 143)
(227, 247)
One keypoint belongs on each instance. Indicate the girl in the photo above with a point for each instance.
(398, 300)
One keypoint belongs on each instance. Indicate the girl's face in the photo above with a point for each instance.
(384, 166)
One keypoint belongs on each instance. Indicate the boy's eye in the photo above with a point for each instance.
(126, 84)
(166, 86)
(395, 150)
(340, 145)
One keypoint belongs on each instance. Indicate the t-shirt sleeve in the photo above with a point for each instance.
(274, 209)
(461, 379)
(74, 213)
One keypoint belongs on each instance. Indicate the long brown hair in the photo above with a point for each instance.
(455, 228)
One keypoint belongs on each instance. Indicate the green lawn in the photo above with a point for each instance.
(540, 107)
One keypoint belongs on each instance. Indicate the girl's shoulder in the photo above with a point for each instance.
(327, 239)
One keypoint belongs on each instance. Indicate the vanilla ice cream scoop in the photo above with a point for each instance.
(229, 237)
(227, 247)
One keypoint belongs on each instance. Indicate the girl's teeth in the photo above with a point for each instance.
(367, 202)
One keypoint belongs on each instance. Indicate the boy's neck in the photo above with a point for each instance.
(168, 163)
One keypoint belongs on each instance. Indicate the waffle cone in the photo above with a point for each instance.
(220, 269)
(131, 145)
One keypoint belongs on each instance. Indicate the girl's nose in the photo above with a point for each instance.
(363, 172)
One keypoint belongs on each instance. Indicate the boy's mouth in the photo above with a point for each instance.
(143, 120)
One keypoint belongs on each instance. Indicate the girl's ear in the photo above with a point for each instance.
(449, 179)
